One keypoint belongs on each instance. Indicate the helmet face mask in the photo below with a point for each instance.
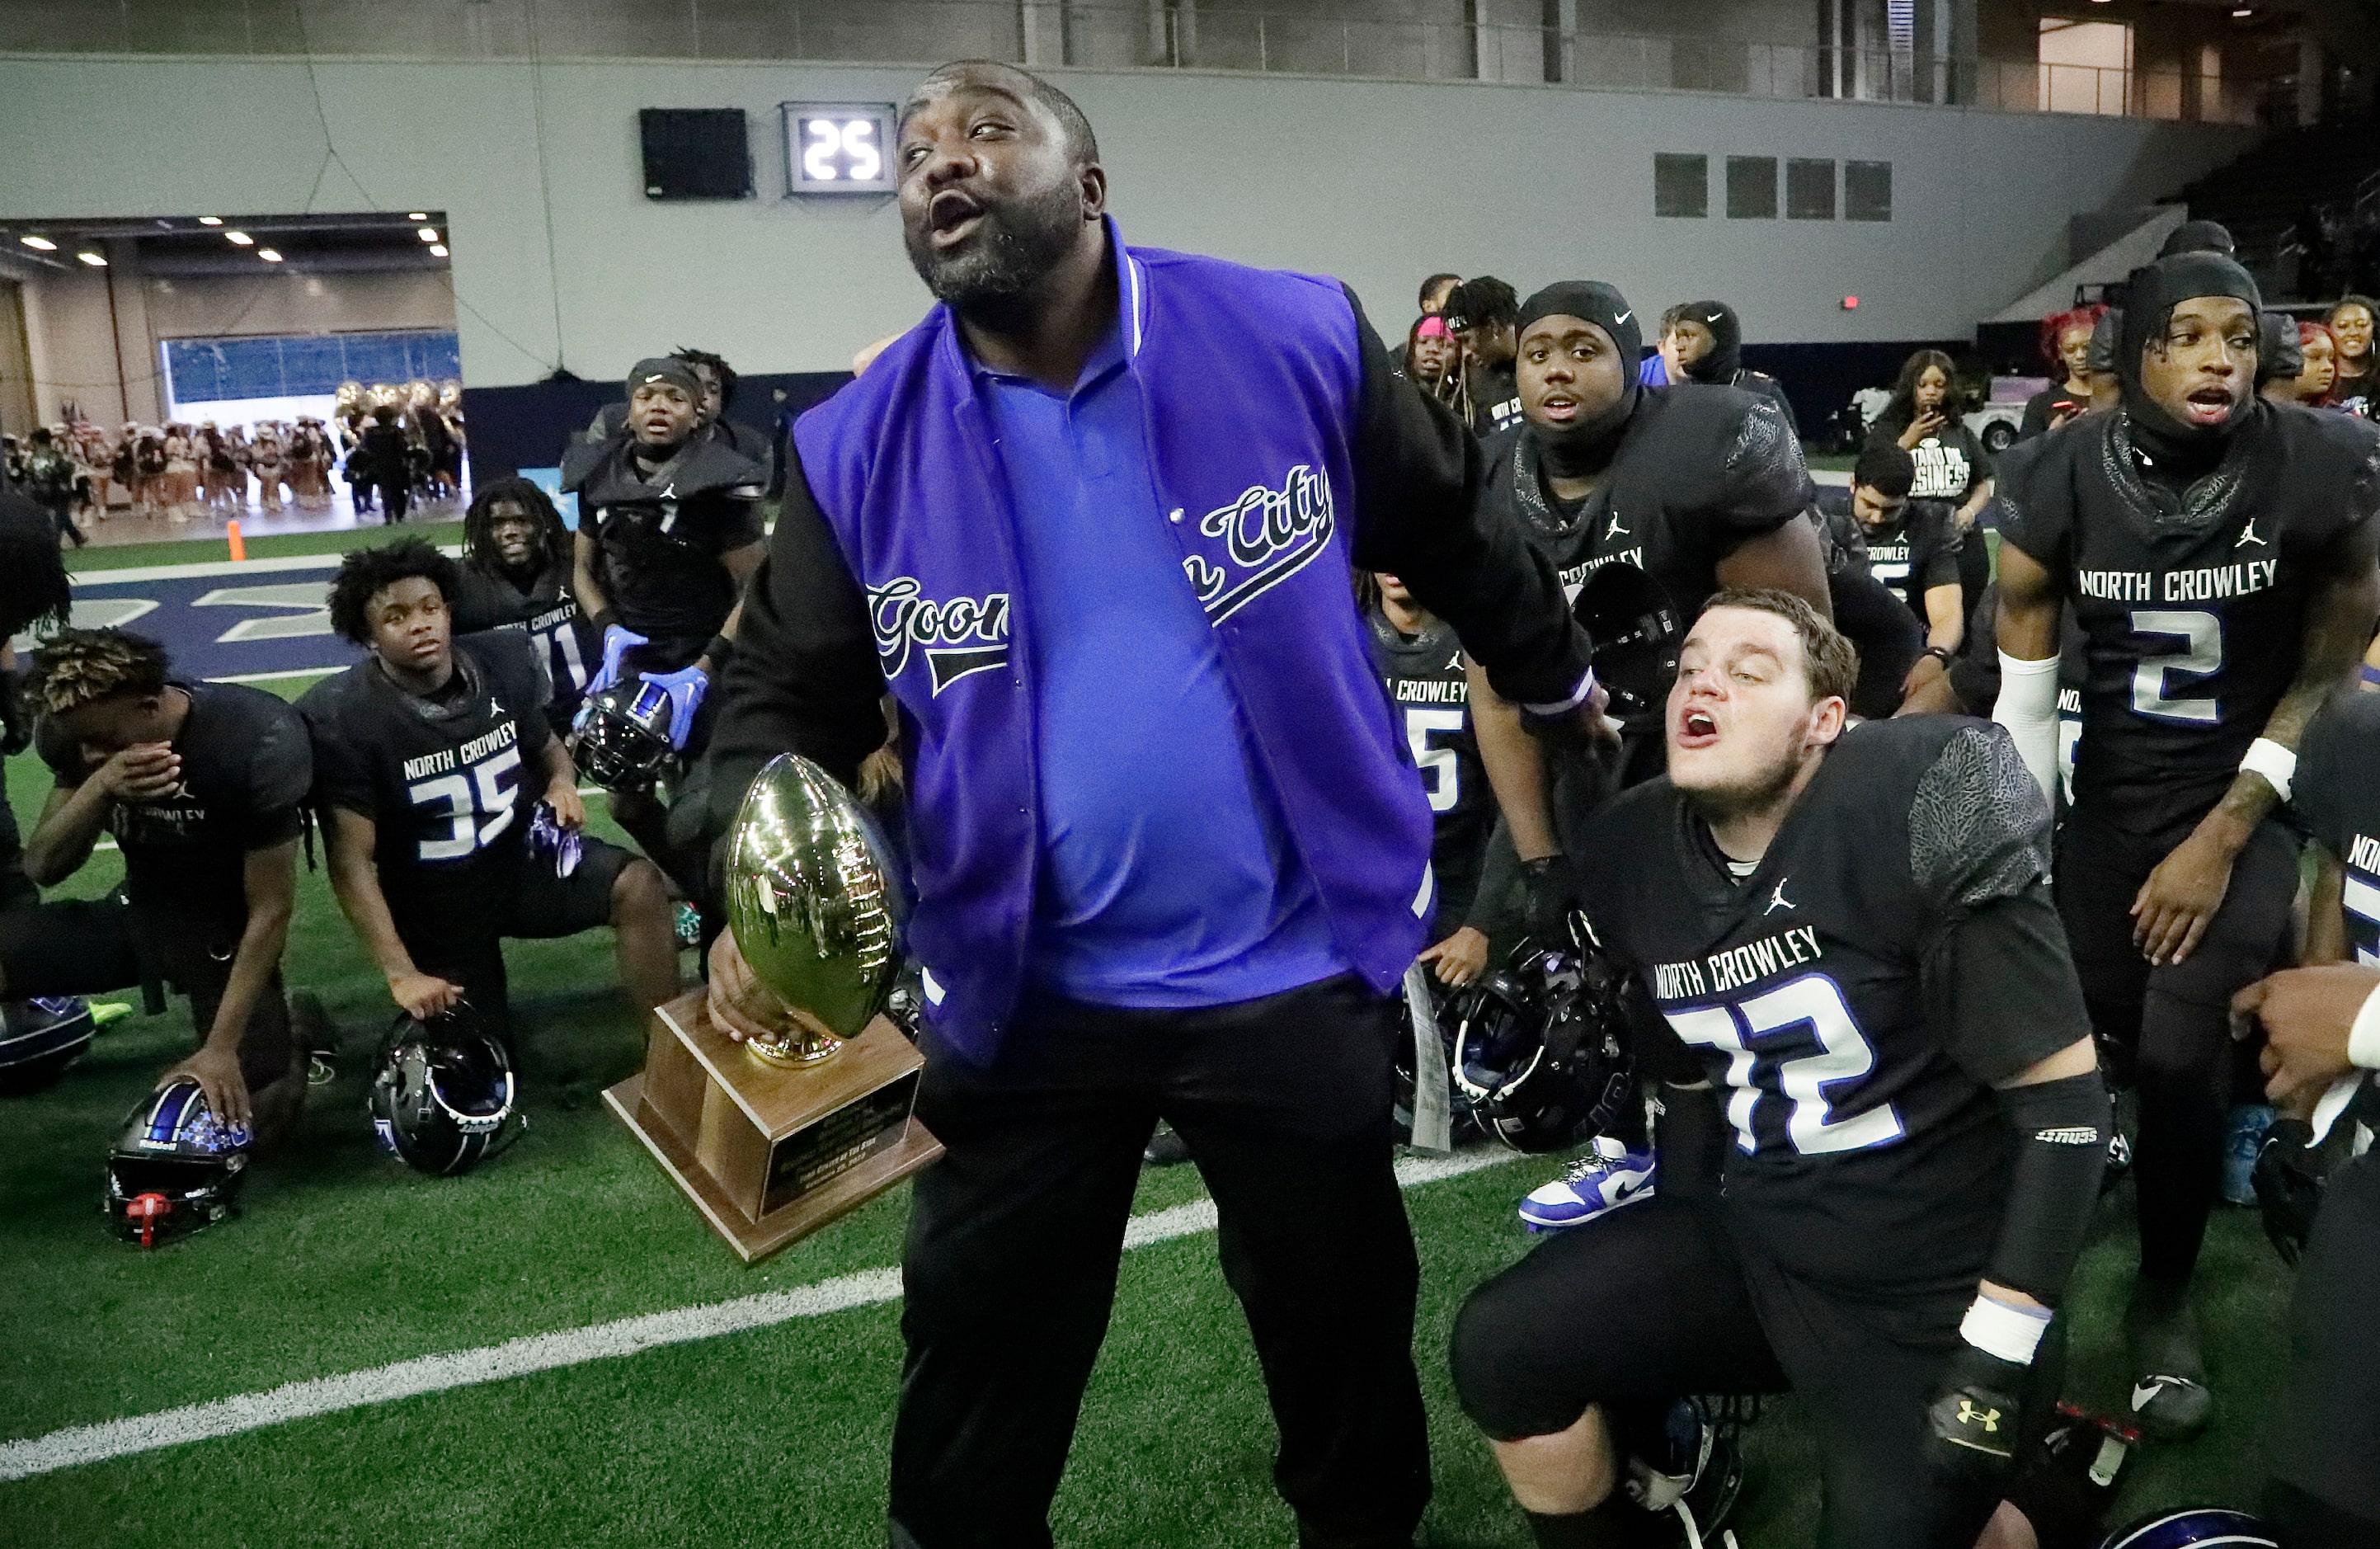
(621, 739)
(176, 1167)
(443, 1094)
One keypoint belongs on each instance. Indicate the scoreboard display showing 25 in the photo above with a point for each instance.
(839, 148)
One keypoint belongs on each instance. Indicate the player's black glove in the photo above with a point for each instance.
(1974, 1419)
(2289, 1179)
(1548, 894)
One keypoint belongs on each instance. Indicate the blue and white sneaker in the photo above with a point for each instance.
(1606, 1178)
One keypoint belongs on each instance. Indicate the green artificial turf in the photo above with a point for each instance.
(346, 1260)
(276, 545)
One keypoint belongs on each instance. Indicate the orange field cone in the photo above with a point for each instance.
(238, 544)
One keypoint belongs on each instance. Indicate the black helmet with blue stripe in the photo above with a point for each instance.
(176, 1167)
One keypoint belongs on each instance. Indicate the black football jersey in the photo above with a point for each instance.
(1825, 996)
(1698, 471)
(568, 646)
(246, 769)
(1430, 697)
(658, 543)
(448, 781)
(2336, 793)
(1495, 400)
(2192, 605)
(1914, 554)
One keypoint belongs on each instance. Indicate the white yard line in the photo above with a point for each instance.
(544, 1352)
(102, 576)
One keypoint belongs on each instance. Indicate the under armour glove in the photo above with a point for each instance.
(685, 689)
(1548, 894)
(618, 640)
(2289, 1179)
(1975, 1417)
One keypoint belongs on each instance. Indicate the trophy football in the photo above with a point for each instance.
(773, 1140)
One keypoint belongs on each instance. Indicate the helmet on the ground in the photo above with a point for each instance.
(1686, 1462)
(2203, 1526)
(176, 1167)
(1540, 1048)
(1637, 630)
(443, 1098)
(621, 739)
(38, 1037)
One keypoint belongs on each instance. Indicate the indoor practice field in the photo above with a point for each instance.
(749, 1422)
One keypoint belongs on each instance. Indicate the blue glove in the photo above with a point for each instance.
(685, 689)
(618, 640)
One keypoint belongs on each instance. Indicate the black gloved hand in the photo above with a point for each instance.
(1973, 1419)
(1549, 894)
(2289, 1179)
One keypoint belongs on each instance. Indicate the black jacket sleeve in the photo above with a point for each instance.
(805, 678)
(1419, 473)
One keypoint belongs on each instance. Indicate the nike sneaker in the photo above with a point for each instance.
(2170, 1401)
(1606, 1178)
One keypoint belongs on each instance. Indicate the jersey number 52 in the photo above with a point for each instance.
(1788, 1046)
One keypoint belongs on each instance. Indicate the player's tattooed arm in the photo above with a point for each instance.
(2175, 905)
(355, 883)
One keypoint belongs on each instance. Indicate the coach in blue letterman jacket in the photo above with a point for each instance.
(1092, 524)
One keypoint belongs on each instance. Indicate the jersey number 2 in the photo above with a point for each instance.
(2201, 657)
(1767, 1039)
(463, 801)
(1441, 770)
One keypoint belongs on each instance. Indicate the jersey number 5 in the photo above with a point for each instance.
(2201, 657)
(1788, 1046)
(463, 801)
(1441, 770)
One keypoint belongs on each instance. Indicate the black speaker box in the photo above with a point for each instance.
(696, 152)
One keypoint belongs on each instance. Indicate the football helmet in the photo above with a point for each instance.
(38, 1037)
(1541, 1050)
(1686, 1462)
(444, 1098)
(175, 1168)
(2205, 1525)
(1637, 632)
(621, 739)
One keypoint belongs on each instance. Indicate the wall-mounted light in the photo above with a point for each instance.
(40, 244)
(427, 234)
(211, 220)
(2242, 12)
(93, 257)
(1851, 303)
(438, 249)
(268, 255)
(239, 238)
(416, 215)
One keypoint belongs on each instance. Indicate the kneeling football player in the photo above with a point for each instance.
(1883, 1122)
(202, 786)
(453, 810)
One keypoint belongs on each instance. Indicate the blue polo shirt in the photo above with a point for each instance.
(1167, 879)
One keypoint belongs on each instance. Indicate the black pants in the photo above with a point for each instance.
(2326, 1434)
(2170, 1024)
(393, 495)
(1014, 1236)
(1656, 1302)
(62, 512)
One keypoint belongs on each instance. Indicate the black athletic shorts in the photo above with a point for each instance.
(93, 946)
(2099, 873)
(1658, 1301)
(462, 939)
(2325, 1433)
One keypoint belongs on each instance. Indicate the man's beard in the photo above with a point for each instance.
(1020, 240)
(1762, 789)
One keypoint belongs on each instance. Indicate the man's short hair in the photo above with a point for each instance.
(1886, 467)
(717, 366)
(1082, 145)
(1485, 303)
(77, 667)
(1430, 286)
(364, 574)
(1829, 661)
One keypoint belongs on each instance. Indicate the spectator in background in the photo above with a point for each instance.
(2280, 357)
(1704, 341)
(1485, 317)
(1923, 420)
(2066, 344)
(1436, 291)
(2317, 363)
(387, 459)
(50, 480)
(1432, 360)
(2351, 333)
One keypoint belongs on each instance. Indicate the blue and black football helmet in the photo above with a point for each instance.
(2201, 1527)
(620, 739)
(1541, 1049)
(176, 1167)
(444, 1098)
(38, 1037)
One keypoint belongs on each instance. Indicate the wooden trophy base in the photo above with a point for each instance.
(772, 1154)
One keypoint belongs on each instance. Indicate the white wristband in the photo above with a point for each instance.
(2276, 763)
(1578, 696)
(2011, 1333)
(2363, 1036)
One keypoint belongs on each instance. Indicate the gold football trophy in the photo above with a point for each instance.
(773, 1140)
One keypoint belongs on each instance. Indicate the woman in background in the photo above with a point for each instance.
(2066, 344)
(2351, 333)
